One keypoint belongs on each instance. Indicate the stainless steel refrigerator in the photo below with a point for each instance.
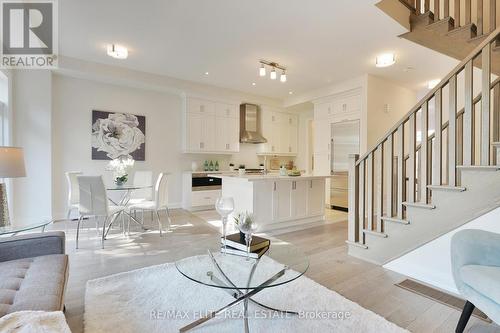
(345, 141)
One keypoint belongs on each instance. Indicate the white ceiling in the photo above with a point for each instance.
(320, 41)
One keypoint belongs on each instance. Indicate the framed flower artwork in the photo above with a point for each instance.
(118, 135)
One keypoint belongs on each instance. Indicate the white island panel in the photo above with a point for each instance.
(277, 201)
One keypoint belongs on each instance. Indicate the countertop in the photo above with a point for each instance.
(269, 176)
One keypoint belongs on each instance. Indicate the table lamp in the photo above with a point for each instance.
(11, 166)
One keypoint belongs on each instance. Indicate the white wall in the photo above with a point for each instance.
(32, 128)
(431, 263)
(75, 98)
(379, 93)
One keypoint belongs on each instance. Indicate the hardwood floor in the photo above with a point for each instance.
(369, 285)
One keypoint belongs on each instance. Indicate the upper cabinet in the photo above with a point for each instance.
(210, 127)
(281, 131)
(345, 106)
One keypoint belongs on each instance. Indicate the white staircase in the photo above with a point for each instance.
(417, 184)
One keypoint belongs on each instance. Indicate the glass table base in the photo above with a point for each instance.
(240, 297)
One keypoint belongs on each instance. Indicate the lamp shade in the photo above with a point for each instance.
(11, 162)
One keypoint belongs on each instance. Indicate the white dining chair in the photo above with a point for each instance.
(142, 178)
(73, 191)
(159, 203)
(94, 203)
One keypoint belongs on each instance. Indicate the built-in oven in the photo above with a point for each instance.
(202, 182)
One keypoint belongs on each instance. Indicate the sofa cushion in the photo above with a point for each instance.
(33, 283)
(484, 279)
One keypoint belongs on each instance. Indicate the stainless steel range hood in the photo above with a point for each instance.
(250, 124)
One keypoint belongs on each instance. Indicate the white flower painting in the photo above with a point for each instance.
(118, 135)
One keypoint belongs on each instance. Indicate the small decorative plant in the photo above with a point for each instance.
(231, 164)
(120, 168)
(244, 220)
(242, 166)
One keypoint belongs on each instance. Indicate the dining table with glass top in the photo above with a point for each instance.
(20, 226)
(126, 195)
(242, 277)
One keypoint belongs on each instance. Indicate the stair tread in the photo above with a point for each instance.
(446, 188)
(357, 244)
(419, 205)
(447, 20)
(395, 220)
(471, 27)
(479, 167)
(375, 233)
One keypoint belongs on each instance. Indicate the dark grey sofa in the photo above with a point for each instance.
(33, 272)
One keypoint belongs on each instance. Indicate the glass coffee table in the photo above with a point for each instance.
(244, 278)
(23, 226)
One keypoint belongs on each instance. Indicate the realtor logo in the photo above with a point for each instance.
(29, 34)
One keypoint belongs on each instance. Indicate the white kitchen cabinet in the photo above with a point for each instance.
(210, 127)
(195, 105)
(281, 131)
(322, 136)
(277, 202)
(299, 198)
(200, 132)
(226, 138)
(282, 205)
(316, 197)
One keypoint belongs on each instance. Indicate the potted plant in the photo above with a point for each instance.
(241, 170)
(120, 168)
(231, 166)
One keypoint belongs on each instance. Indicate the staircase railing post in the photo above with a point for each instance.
(353, 204)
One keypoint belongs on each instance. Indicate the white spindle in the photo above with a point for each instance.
(468, 118)
(353, 228)
(452, 132)
(485, 105)
(437, 150)
(424, 128)
(410, 172)
(401, 172)
(369, 190)
(380, 186)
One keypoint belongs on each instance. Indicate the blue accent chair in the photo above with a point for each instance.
(475, 263)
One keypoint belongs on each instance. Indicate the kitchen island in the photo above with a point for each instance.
(277, 201)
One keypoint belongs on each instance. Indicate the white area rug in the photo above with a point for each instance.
(160, 299)
(34, 322)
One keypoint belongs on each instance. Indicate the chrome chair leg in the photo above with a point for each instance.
(168, 218)
(160, 227)
(104, 231)
(78, 230)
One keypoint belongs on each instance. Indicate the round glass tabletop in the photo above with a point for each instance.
(22, 226)
(282, 263)
(127, 187)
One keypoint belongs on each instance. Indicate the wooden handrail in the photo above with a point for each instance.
(433, 91)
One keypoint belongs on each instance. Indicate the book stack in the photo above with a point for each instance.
(236, 245)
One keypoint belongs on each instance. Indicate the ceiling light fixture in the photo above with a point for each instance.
(385, 60)
(274, 66)
(290, 92)
(273, 76)
(432, 83)
(207, 73)
(262, 70)
(253, 83)
(283, 77)
(117, 51)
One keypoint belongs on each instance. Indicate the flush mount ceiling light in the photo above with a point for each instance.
(117, 51)
(385, 60)
(273, 75)
(432, 83)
